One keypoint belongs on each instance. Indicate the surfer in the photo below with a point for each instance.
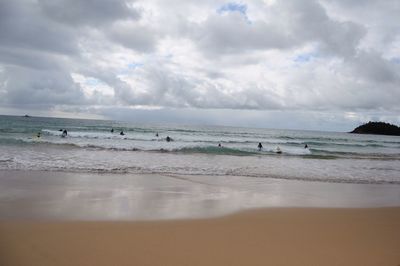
(168, 139)
(305, 146)
(112, 130)
(260, 146)
(38, 135)
(64, 134)
(122, 133)
(157, 134)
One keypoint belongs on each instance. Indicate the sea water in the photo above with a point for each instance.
(91, 147)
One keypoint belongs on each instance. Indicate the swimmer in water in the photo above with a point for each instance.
(122, 133)
(64, 134)
(168, 139)
(260, 146)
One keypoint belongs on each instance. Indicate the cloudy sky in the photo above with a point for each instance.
(301, 64)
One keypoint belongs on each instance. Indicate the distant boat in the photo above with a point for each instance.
(27, 116)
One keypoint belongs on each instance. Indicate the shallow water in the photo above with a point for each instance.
(91, 147)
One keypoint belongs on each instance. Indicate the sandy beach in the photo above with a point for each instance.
(57, 218)
(277, 236)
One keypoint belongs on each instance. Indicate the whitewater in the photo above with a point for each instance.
(90, 146)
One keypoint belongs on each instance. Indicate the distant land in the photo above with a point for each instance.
(378, 128)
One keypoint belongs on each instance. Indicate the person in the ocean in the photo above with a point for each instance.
(122, 133)
(305, 146)
(157, 134)
(112, 130)
(64, 134)
(259, 146)
(219, 145)
(168, 139)
(38, 134)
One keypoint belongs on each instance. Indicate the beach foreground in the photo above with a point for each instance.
(275, 236)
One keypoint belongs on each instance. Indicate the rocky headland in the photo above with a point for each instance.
(378, 128)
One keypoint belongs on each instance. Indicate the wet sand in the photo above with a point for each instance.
(274, 236)
(37, 195)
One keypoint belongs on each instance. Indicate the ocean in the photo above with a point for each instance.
(91, 147)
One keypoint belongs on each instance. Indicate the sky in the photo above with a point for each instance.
(298, 64)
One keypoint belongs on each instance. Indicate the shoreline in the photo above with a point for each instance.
(269, 236)
(38, 195)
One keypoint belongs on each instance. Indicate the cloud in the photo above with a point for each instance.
(133, 36)
(89, 12)
(308, 21)
(286, 25)
(232, 34)
(29, 87)
(321, 57)
(375, 68)
(22, 26)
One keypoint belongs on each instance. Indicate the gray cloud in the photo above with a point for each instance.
(37, 37)
(29, 59)
(133, 36)
(290, 24)
(309, 21)
(88, 12)
(161, 87)
(232, 34)
(372, 66)
(22, 86)
(112, 18)
(23, 26)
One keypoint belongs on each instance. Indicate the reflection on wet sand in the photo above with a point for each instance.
(83, 196)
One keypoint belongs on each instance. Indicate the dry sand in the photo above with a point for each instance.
(280, 236)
